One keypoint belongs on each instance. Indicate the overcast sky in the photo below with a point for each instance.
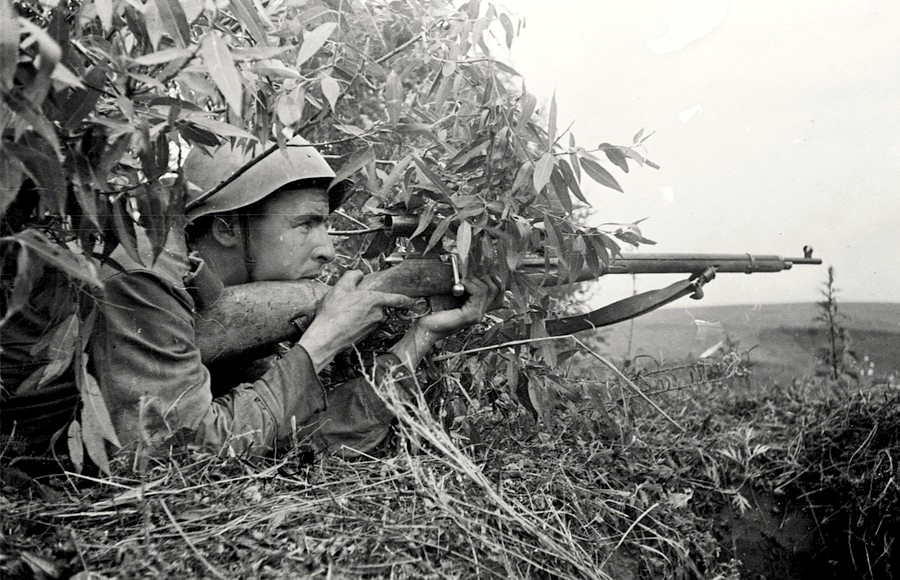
(777, 124)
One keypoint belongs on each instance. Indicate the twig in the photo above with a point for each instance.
(628, 531)
(402, 47)
(355, 232)
(190, 544)
(628, 382)
(74, 539)
(499, 346)
(97, 480)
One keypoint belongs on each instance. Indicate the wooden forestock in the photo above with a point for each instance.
(414, 277)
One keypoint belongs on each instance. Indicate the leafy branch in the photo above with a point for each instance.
(101, 100)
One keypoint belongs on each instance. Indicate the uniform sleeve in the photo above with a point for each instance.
(149, 369)
(356, 420)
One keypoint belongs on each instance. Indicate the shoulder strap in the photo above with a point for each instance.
(632, 306)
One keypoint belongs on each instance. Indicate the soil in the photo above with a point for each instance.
(772, 539)
(777, 540)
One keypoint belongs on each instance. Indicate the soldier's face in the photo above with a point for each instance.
(289, 239)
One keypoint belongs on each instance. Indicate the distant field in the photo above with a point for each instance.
(782, 338)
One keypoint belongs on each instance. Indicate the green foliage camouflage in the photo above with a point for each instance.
(102, 98)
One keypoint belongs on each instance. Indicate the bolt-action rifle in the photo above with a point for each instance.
(436, 277)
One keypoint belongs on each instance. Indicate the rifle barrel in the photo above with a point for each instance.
(685, 263)
(697, 263)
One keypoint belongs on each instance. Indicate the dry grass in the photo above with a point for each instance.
(428, 510)
(406, 516)
(604, 491)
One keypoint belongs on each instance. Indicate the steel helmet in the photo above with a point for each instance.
(299, 161)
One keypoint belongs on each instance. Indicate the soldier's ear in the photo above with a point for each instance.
(225, 229)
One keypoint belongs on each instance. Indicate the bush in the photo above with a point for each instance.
(102, 99)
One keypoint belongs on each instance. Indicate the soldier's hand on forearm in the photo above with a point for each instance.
(426, 331)
(345, 316)
(481, 293)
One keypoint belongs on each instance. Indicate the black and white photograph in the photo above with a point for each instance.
(450, 289)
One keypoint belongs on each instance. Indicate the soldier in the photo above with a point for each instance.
(245, 248)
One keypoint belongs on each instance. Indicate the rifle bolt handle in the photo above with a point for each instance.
(458, 289)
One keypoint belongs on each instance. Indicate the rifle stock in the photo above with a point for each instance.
(247, 317)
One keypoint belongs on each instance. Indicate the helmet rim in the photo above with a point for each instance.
(297, 162)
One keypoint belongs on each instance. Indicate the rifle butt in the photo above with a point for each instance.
(247, 317)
